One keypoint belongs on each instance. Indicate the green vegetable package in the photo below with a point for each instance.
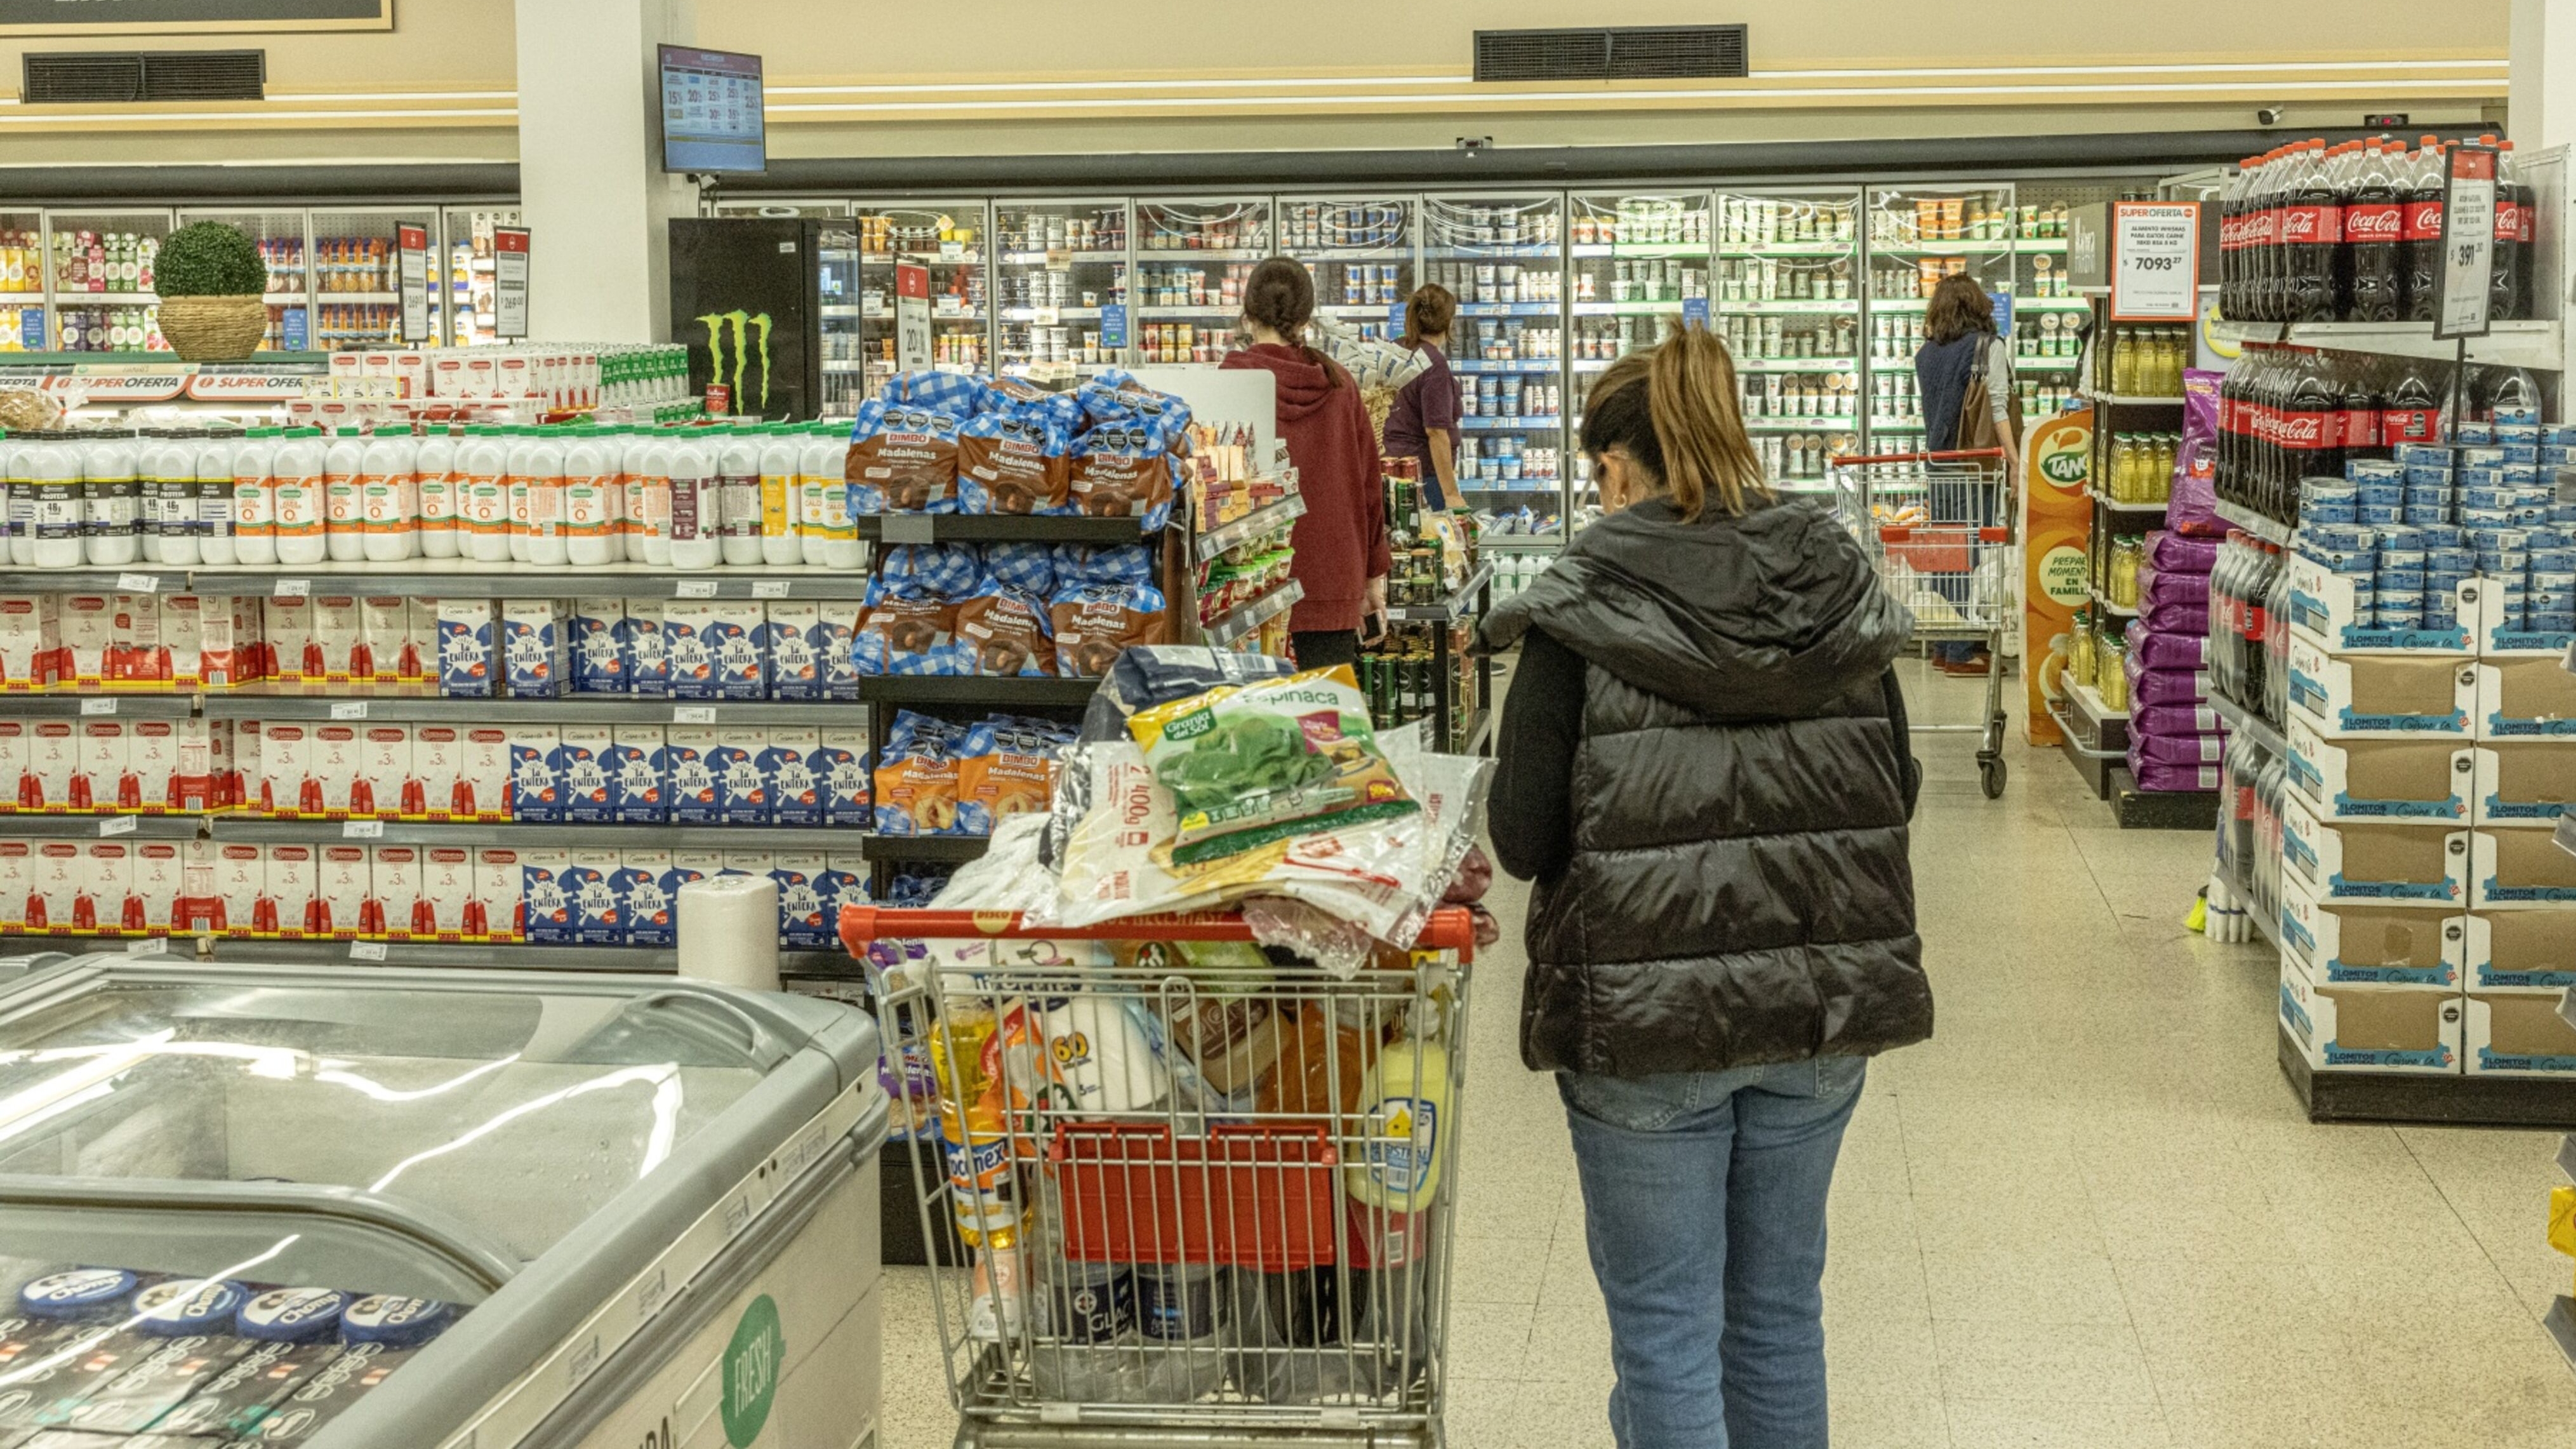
(1260, 763)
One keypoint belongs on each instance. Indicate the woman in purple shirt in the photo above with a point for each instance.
(1423, 423)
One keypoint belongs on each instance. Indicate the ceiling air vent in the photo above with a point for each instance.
(95, 77)
(1634, 52)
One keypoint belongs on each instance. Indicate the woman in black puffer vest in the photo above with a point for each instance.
(1704, 768)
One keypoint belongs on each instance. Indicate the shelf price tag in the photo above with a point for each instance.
(117, 825)
(769, 588)
(291, 589)
(694, 589)
(149, 946)
(2468, 243)
(693, 714)
(911, 316)
(98, 706)
(1694, 311)
(138, 584)
(366, 950)
(907, 528)
(348, 709)
(2155, 250)
(362, 830)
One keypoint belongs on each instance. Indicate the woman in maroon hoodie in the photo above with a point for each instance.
(1341, 542)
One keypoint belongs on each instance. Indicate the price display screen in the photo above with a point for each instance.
(711, 117)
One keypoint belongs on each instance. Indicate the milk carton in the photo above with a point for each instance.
(637, 793)
(688, 639)
(534, 635)
(334, 767)
(100, 781)
(787, 764)
(14, 783)
(199, 907)
(642, 906)
(445, 894)
(54, 877)
(88, 624)
(28, 641)
(590, 894)
(645, 648)
(340, 634)
(393, 873)
(748, 862)
(53, 763)
(834, 631)
(844, 882)
(152, 764)
(536, 790)
(546, 914)
(387, 784)
(286, 899)
(200, 764)
(140, 654)
(16, 857)
(743, 793)
(288, 632)
(342, 903)
(688, 773)
(183, 637)
(598, 646)
(804, 924)
(467, 632)
(437, 752)
(580, 764)
(158, 885)
(284, 750)
(739, 650)
(789, 637)
(419, 660)
(232, 749)
(231, 646)
(499, 906)
(393, 649)
(241, 890)
(107, 883)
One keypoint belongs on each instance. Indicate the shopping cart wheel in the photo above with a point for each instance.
(1990, 773)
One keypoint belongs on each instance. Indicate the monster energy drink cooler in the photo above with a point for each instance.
(746, 299)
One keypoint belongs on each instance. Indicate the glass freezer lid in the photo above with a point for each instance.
(517, 1112)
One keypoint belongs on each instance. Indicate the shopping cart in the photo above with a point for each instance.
(1940, 527)
(1204, 1196)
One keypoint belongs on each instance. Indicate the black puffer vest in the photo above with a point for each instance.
(1739, 891)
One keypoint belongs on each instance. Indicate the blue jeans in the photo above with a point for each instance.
(1706, 1199)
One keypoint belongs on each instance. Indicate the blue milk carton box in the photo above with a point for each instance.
(638, 793)
(740, 647)
(787, 763)
(547, 916)
(645, 648)
(844, 882)
(535, 661)
(840, 770)
(687, 625)
(536, 791)
(744, 795)
(688, 773)
(467, 667)
(590, 893)
(803, 922)
(599, 646)
(836, 628)
(582, 763)
(643, 901)
(788, 638)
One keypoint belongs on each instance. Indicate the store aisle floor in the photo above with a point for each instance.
(2087, 1213)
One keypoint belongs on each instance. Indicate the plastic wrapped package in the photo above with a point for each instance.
(2167, 651)
(2173, 553)
(1263, 762)
(902, 458)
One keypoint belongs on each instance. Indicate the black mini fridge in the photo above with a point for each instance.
(746, 298)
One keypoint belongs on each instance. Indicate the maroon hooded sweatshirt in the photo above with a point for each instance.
(1341, 540)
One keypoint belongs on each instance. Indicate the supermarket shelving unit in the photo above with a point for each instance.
(952, 236)
(1060, 293)
(1505, 257)
(1788, 288)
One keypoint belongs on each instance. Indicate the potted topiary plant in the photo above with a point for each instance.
(214, 292)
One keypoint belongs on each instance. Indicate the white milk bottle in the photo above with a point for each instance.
(23, 453)
(389, 499)
(545, 458)
(111, 501)
(254, 499)
(590, 498)
(301, 533)
(697, 506)
(737, 463)
(518, 445)
(781, 496)
(343, 521)
(213, 468)
(433, 462)
(483, 461)
(56, 477)
(648, 461)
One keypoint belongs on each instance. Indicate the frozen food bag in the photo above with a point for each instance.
(1252, 765)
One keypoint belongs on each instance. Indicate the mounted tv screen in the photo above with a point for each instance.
(711, 111)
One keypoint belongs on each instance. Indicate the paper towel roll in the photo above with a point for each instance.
(728, 931)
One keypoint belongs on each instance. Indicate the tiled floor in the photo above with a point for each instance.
(2087, 1214)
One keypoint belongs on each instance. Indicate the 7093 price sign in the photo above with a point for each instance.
(2155, 253)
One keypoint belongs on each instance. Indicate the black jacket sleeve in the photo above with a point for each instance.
(1531, 809)
(1909, 770)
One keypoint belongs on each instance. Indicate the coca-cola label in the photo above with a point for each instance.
(2423, 221)
(2360, 428)
(2512, 223)
(2373, 222)
(2304, 430)
(2262, 226)
(2408, 425)
(2311, 225)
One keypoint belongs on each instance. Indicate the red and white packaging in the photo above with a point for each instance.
(340, 632)
(88, 623)
(54, 878)
(152, 763)
(244, 777)
(482, 790)
(394, 888)
(420, 641)
(393, 648)
(494, 910)
(196, 770)
(333, 768)
(107, 875)
(53, 763)
(183, 638)
(200, 906)
(386, 785)
(287, 625)
(343, 903)
(140, 654)
(232, 648)
(28, 641)
(159, 884)
(286, 896)
(241, 898)
(443, 891)
(16, 863)
(435, 750)
(101, 782)
(284, 761)
(13, 763)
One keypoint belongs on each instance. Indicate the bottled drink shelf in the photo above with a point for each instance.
(2536, 345)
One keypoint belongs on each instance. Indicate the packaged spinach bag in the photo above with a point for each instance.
(1267, 761)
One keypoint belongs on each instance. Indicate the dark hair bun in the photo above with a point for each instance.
(1280, 296)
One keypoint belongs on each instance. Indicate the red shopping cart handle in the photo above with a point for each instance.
(1949, 457)
(1449, 929)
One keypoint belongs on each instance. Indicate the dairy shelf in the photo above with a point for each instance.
(1640, 249)
(1480, 366)
(637, 960)
(1797, 364)
(1633, 308)
(1735, 306)
(1515, 423)
(250, 830)
(1507, 309)
(1828, 249)
(65, 704)
(103, 825)
(1826, 422)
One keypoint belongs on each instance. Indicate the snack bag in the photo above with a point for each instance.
(953, 393)
(1013, 461)
(905, 635)
(1252, 765)
(1117, 398)
(929, 570)
(1008, 632)
(1028, 567)
(1122, 471)
(902, 459)
(1105, 563)
(1095, 622)
(916, 781)
(1007, 766)
(1060, 410)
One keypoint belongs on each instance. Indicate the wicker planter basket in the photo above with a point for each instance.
(214, 329)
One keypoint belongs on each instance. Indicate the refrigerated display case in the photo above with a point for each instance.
(1504, 257)
(22, 281)
(951, 239)
(282, 238)
(102, 280)
(2048, 318)
(1361, 251)
(746, 299)
(1918, 235)
(1060, 287)
(356, 303)
(1788, 283)
(467, 232)
(382, 1207)
(1192, 256)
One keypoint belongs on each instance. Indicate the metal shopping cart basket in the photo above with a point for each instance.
(1940, 527)
(1205, 1191)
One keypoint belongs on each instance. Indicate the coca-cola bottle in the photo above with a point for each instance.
(2231, 240)
(2275, 699)
(2412, 410)
(2420, 230)
(2373, 224)
(2263, 235)
(2356, 413)
(2310, 436)
(2311, 235)
(2509, 283)
(2226, 658)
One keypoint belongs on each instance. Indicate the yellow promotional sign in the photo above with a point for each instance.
(2056, 528)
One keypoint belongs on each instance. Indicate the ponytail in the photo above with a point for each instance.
(1428, 313)
(1280, 295)
(1673, 409)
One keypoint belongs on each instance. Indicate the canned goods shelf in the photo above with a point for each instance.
(1458, 601)
(1228, 627)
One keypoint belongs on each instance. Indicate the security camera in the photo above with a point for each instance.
(2269, 115)
(1474, 143)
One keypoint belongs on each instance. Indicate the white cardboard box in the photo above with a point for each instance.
(590, 894)
(446, 891)
(2529, 698)
(536, 791)
(2371, 1028)
(2523, 782)
(2372, 943)
(292, 874)
(385, 783)
(2380, 695)
(437, 754)
(2520, 869)
(286, 782)
(2485, 613)
(336, 761)
(2370, 861)
(2322, 607)
(107, 882)
(2385, 779)
(158, 886)
(342, 892)
(482, 775)
(100, 781)
(393, 874)
(55, 874)
(546, 913)
(2518, 1036)
(643, 902)
(53, 763)
(241, 884)
(2513, 952)
(583, 758)
(498, 893)
(340, 634)
(88, 623)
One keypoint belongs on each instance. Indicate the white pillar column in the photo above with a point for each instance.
(591, 186)
(2541, 99)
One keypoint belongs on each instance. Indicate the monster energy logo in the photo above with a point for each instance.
(716, 324)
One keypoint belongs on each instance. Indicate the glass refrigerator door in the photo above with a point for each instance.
(1361, 253)
(280, 237)
(948, 237)
(22, 281)
(468, 294)
(1504, 258)
(1192, 256)
(1060, 278)
(1916, 237)
(102, 280)
(1788, 275)
(2047, 315)
(1639, 264)
(838, 289)
(356, 276)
